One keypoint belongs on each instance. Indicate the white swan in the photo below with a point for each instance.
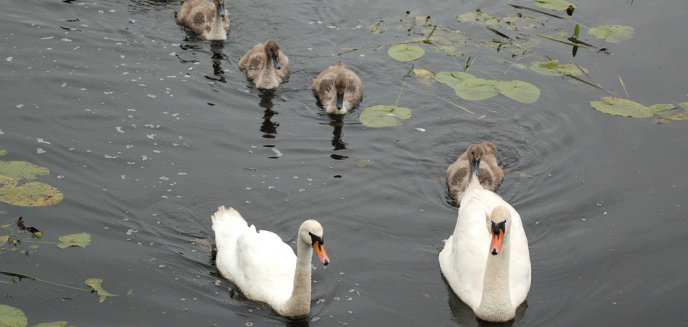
(486, 261)
(264, 267)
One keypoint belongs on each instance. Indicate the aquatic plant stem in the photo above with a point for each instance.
(624, 86)
(377, 47)
(562, 41)
(460, 107)
(403, 84)
(20, 276)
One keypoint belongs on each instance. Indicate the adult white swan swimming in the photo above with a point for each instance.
(486, 260)
(264, 267)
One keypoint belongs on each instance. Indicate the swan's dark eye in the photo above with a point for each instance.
(315, 238)
(498, 226)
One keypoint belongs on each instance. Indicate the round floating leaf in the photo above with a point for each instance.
(683, 105)
(96, 286)
(475, 89)
(384, 116)
(681, 116)
(80, 240)
(424, 73)
(554, 4)
(520, 91)
(621, 107)
(452, 78)
(553, 68)
(22, 169)
(12, 317)
(662, 108)
(612, 33)
(405, 52)
(478, 16)
(52, 324)
(34, 194)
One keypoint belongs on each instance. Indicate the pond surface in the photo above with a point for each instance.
(147, 131)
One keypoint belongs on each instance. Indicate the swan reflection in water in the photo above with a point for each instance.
(337, 142)
(216, 59)
(217, 47)
(267, 126)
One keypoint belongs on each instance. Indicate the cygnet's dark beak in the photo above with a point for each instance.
(221, 9)
(275, 60)
(340, 101)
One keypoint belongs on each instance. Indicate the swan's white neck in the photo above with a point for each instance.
(496, 304)
(473, 184)
(299, 304)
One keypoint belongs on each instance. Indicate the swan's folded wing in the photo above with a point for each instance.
(519, 262)
(228, 225)
(265, 267)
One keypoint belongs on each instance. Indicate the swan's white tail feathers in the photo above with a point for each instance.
(228, 224)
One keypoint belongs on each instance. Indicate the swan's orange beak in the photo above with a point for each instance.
(496, 244)
(320, 252)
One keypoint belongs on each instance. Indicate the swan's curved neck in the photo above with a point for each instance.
(299, 304)
(495, 304)
(473, 183)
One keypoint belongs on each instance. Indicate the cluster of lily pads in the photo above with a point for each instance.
(629, 108)
(448, 41)
(18, 186)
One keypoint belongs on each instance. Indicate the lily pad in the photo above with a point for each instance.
(405, 52)
(52, 324)
(384, 116)
(424, 73)
(478, 16)
(662, 108)
(80, 240)
(22, 169)
(12, 317)
(621, 107)
(683, 105)
(612, 33)
(520, 91)
(96, 286)
(452, 78)
(560, 5)
(681, 116)
(474, 89)
(34, 194)
(553, 68)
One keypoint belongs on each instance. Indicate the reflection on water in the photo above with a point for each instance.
(337, 142)
(297, 323)
(217, 47)
(267, 126)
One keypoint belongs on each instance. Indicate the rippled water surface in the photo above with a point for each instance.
(150, 130)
